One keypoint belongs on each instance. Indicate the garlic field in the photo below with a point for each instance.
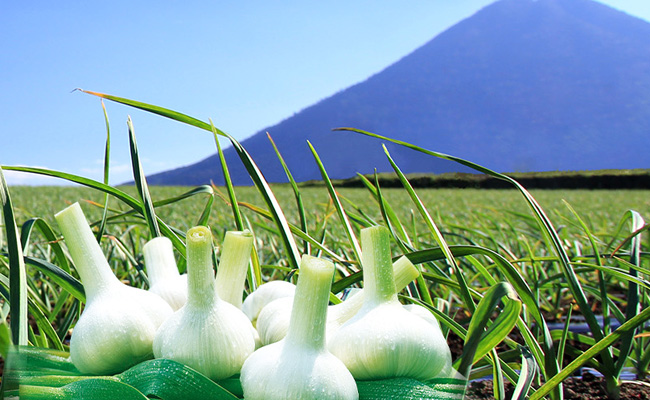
(499, 277)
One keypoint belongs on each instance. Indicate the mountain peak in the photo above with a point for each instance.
(522, 85)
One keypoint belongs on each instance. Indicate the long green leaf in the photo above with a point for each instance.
(483, 337)
(437, 235)
(120, 195)
(352, 239)
(602, 345)
(293, 255)
(296, 195)
(107, 163)
(93, 388)
(17, 272)
(141, 183)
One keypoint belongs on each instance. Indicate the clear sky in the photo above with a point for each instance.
(246, 65)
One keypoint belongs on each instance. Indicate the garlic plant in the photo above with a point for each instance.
(273, 321)
(118, 324)
(208, 334)
(300, 366)
(231, 272)
(384, 340)
(164, 278)
(266, 293)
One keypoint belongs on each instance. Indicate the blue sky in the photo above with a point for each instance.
(246, 65)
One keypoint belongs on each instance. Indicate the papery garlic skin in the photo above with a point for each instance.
(383, 340)
(299, 366)
(207, 333)
(118, 324)
(263, 295)
(162, 271)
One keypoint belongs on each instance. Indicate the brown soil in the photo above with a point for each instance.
(589, 387)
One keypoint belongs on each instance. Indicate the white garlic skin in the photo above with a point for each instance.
(386, 341)
(304, 374)
(215, 343)
(172, 290)
(116, 330)
(263, 295)
(273, 321)
(164, 278)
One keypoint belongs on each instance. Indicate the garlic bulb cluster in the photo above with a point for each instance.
(118, 324)
(273, 321)
(299, 366)
(164, 278)
(384, 340)
(208, 334)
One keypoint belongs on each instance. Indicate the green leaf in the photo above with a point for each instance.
(482, 337)
(411, 389)
(93, 388)
(352, 239)
(170, 380)
(141, 183)
(17, 272)
(526, 375)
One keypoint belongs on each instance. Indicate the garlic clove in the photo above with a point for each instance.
(263, 295)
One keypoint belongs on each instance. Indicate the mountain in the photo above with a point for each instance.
(521, 85)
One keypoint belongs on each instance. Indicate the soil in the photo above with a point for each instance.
(587, 387)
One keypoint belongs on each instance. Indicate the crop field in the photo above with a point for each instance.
(502, 277)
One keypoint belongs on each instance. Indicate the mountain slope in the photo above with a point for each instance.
(522, 85)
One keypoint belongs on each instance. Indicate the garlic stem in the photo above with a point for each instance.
(86, 253)
(231, 272)
(379, 283)
(201, 290)
(159, 260)
(404, 272)
(307, 325)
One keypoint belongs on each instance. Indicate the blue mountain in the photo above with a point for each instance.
(521, 85)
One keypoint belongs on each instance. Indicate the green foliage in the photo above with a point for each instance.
(500, 269)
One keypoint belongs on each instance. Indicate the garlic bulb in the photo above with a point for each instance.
(384, 340)
(265, 294)
(299, 366)
(207, 333)
(273, 320)
(118, 324)
(164, 278)
(231, 272)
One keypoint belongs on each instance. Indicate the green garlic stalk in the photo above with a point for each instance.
(118, 324)
(384, 340)
(299, 366)
(273, 320)
(164, 278)
(207, 334)
(231, 272)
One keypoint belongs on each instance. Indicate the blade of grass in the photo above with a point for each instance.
(17, 272)
(352, 239)
(293, 255)
(526, 375)
(141, 183)
(107, 157)
(239, 222)
(296, 195)
(121, 195)
(433, 228)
